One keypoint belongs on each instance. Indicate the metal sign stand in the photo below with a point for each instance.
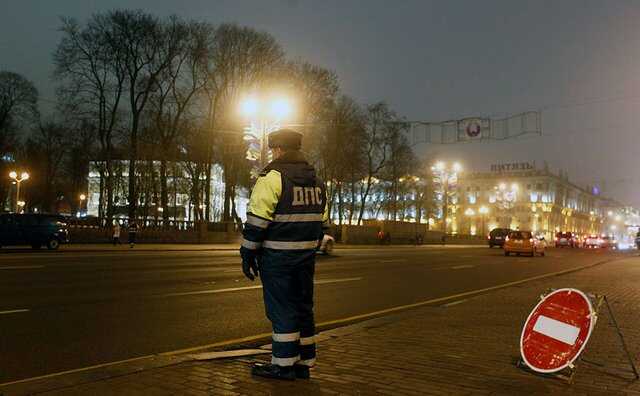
(568, 373)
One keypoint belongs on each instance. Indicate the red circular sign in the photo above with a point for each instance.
(473, 129)
(557, 330)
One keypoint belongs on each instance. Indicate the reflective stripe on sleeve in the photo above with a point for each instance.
(257, 221)
(307, 340)
(306, 362)
(286, 337)
(251, 244)
(286, 245)
(297, 217)
(285, 361)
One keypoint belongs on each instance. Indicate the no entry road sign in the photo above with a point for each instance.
(557, 330)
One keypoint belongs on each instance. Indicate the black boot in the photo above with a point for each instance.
(273, 371)
(302, 372)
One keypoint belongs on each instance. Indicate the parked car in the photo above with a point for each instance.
(565, 239)
(593, 241)
(33, 229)
(523, 242)
(497, 236)
(326, 246)
(609, 242)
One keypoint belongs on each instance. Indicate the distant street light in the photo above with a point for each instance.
(82, 198)
(446, 177)
(263, 115)
(14, 176)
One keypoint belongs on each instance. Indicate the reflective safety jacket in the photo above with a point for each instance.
(288, 207)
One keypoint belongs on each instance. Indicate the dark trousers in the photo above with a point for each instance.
(287, 279)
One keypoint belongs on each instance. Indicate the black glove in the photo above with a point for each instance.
(250, 262)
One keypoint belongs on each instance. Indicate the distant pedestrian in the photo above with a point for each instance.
(443, 239)
(133, 230)
(381, 237)
(387, 238)
(116, 233)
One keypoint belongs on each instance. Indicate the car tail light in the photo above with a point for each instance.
(506, 239)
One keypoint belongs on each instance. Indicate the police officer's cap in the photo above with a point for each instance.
(287, 139)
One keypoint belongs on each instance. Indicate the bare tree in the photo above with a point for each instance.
(92, 88)
(382, 124)
(176, 89)
(142, 48)
(242, 59)
(397, 170)
(18, 100)
(18, 110)
(44, 152)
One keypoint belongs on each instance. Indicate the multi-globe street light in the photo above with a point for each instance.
(506, 198)
(17, 180)
(446, 175)
(264, 115)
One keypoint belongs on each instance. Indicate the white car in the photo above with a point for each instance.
(326, 246)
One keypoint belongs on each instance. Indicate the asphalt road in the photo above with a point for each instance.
(67, 310)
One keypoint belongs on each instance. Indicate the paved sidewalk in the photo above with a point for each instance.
(462, 347)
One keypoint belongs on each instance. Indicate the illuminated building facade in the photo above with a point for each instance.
(520, 196)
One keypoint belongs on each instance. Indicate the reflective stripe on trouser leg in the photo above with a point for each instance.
(279, 290)
(307, 351)
(284, 347)
(305, 311)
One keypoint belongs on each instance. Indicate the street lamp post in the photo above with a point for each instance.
(506, 198)
(445, 175)
(483, 211)
(263, 115)
(82, 198)
(14, 176)
(470, 213)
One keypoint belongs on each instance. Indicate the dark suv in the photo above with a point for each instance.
(497, 236)
(33, 229)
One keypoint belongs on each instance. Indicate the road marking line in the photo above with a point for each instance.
(454, 303)
(327, 323)
(232, 289)
(394, 261)
(15, 267)
(462, 266)
(13, 311)
(464, 294)
(326, 281)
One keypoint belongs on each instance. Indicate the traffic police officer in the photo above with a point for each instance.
(285, 220)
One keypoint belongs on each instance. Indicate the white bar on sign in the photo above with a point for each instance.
(557, 330)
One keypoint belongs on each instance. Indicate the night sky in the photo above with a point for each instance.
(576, 61)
